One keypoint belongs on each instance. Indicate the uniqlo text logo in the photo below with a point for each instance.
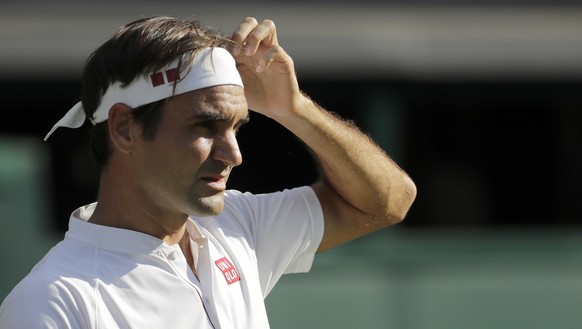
(228, 270)
(158, 78)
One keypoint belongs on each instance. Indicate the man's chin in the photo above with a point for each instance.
(208, 206)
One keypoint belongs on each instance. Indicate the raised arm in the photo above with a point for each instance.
(362, 189)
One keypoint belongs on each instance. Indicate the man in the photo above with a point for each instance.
(166, 245)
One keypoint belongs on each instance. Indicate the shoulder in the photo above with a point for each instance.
(52, 295)
(39, 302)
(297, 194)
(270, 210)
(247, 213)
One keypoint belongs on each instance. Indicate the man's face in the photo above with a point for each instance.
(186, 167)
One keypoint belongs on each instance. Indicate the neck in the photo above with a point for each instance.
(169, 233)
(118, 206)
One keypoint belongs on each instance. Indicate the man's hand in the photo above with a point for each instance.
(267, 71)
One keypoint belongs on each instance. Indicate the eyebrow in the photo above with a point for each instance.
(217, 116)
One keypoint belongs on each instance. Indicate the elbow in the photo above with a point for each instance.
(401, 201)
(408, 197)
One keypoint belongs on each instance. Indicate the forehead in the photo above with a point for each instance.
(227, 100)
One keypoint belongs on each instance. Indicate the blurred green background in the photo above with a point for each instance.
(479, 101)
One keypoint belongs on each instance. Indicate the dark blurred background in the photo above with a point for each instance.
(479, 101)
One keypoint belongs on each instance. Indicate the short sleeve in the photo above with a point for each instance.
(285, 229)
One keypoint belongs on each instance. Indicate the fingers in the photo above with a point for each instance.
(240, 34)
(252, 35)
(268, 57)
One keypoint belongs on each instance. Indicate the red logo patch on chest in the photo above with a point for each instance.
(228, 270)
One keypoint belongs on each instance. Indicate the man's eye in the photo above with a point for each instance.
(205, 124)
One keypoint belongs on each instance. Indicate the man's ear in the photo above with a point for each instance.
(120, 126)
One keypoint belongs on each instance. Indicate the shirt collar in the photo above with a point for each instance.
(118, 239)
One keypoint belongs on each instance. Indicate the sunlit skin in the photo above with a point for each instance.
(198, 128)
(182, 171)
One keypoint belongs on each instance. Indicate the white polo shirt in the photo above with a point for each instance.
(104, 277)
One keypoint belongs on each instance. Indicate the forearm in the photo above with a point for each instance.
(352, 165)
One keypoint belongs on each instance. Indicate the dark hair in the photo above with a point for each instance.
(142, 46)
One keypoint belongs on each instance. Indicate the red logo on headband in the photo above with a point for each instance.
(158, 78)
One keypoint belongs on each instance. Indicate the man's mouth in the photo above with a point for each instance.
(215, 182)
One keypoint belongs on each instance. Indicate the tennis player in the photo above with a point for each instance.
(166, 244)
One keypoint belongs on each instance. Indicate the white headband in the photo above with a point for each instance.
(206, 71)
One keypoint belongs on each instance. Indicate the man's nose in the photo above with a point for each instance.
(226, 149)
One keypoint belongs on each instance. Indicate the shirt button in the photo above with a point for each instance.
(173, 256)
